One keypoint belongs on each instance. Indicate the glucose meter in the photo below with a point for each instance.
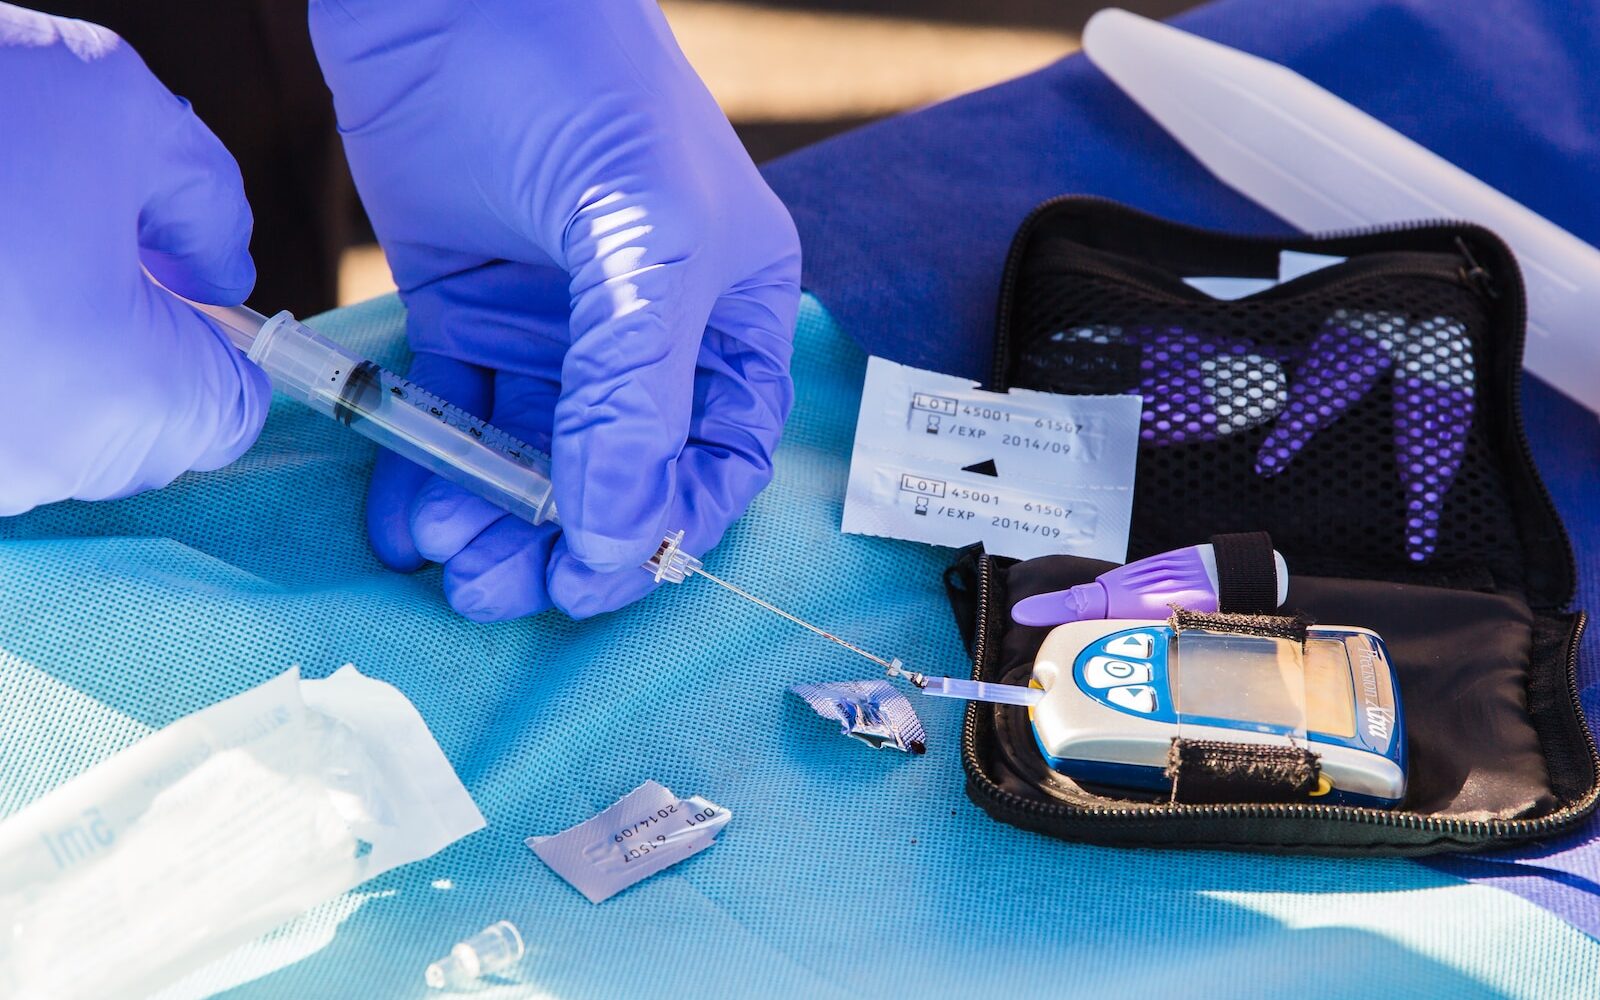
(1116, 694)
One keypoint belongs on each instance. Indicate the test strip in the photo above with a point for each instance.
(999, 694)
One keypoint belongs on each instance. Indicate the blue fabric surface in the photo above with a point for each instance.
(906, 223)
(845, 871)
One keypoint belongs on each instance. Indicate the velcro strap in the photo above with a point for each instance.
(1207, 771)
(1247, 575)
(1291, 627)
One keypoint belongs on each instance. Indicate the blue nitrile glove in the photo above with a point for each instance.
(112, 386)
(589, 260)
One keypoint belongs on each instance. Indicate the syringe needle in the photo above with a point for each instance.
(700, 571)
(944, 687)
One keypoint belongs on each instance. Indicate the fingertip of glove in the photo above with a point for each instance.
(226, 285)
(242, 395)
(394, 482)
(393, 549)
(581, 592)
(601, 553)
(446, 518)
(225, 280)
(501, 574)
(480, 605)
(472, 604)
(256, 402)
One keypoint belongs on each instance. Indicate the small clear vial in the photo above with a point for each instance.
(492, 950)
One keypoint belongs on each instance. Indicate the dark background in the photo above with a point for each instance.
(248, 68)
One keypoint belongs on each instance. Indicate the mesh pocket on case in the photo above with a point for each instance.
(1345, 419)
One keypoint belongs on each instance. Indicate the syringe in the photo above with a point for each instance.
(409, 420)
(432, 432)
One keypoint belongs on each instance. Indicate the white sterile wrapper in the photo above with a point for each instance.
(216, 829)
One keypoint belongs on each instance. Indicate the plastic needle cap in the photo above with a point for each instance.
(489, 952)
(671, 563)
(1084, 602)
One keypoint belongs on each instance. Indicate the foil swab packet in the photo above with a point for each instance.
(873, 712)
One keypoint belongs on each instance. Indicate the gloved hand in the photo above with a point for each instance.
(589, 260)
(112, 386)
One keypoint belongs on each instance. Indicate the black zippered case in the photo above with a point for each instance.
(1367, 416)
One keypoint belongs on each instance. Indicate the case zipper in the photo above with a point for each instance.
(1008, 277)
(1557, 822)
(1447, 267)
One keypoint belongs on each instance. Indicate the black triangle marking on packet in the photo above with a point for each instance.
(983, 468)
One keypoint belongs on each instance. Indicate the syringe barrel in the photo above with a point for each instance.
(403, 417)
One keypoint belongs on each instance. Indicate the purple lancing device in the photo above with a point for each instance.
(1433, 404)
(1144, 588)
(1200, 386)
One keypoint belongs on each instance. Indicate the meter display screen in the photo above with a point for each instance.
(1330, 692)
(1266, 681)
